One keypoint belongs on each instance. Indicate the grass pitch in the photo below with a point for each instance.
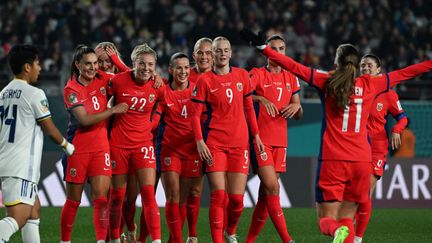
(386, 225)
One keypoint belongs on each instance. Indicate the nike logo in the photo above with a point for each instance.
(194, 170)
(267, 85)
(125, 94)
(283, 165)
(213, 90)
(170, 104)
(245, 166)
(217, 222)
(151, 162)
(280, 214)
(376, 168)
(261, 220)
(107, 169)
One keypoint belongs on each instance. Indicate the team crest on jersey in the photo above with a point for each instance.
(379, 107)
(264, 156)
(102, 90)
(45, 106)
(194, 91)
(73, 172)
(73, 98)
(288, 87)
(151, 98)
(239, 87)
(167, 161)
(210, 162)
(113, 164)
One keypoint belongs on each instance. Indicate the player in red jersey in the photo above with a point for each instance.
(277, 93)
(344, 163)
(385, 103)
(85, 98)
(226, 95)
(176, 148)
(131, 139)
(109, 58)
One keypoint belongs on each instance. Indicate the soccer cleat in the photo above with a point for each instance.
(131, 235)
(230, 238)
(358, 239)
(341, 234)
(292, 241)
(123, 238)
(192, 239)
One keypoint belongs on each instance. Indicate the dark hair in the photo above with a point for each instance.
(174, 57)
(20, 55)
(274, 37)
(79, 53)
(374, 57)
(341, 83)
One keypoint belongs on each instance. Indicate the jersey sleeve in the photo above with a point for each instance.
(295, 84)
(397, 112)
(119, 63)
(248, 106)
(315, 77)
(198, 98)
(72, 98)
(409, 72)
(155, 118)
(255, 78)
(40, 106)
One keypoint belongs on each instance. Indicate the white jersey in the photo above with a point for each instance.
(21, 138)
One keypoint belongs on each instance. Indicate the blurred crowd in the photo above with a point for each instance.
(400, 32)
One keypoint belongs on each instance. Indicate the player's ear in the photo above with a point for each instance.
(26, 68)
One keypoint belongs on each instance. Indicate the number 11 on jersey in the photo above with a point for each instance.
(359, 103)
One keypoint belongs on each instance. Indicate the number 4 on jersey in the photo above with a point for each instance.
(11, 122)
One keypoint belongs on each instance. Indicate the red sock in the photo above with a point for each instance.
(259, 217)
(192, 208)
(350, 224)
(67, 219)
(235, 209)
(173, 220)
(216, 215)
(151, 211)
(129, 209)
(277, 216)
(117, 197)
(226, 201)
(362, 217)
(143, 228)
(183, 214)
(101, 217)
(328, 226)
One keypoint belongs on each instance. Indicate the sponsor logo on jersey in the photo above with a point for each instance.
(379, 107)
(151, 98)
(264, 156)
(167, 161)
(73, 172)
(102, 90)
(73, 98)
(239, 87)
(45, 105)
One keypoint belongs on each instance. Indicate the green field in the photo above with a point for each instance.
(387, 225)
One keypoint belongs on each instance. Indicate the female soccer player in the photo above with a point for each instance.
(85, 97)
(384, 103)
(131, 139)
(226, 94)
(277, 92)
(109, 58)
(343, 175)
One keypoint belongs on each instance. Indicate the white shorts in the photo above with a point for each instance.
(17, 190)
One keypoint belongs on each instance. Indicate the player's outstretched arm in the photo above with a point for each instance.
(112, 53)
(85, 119)
(50, 129)
(409, 72)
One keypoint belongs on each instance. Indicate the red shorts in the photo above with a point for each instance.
(274, 156)
(378, 164)
(343, 180)
(185, 166)
(83, 165)
(227, 159)
(125, 160)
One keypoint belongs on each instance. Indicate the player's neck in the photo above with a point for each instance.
(179, 86)
(274, 69)
(203, 70)
(222, 70)
(84, 81)
(23, 77)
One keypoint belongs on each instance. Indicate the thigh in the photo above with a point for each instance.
(238, 160)
(236, 182)
(261, 160)
(99, 185)
(16, 191)
(120, 160)
(217, 181)
(170, 161)
(219, 162)
(358, 187)
(332, 179)
(100, 164)
(191, 166)
(279, 158)
(77, 168)
(144, 158)
(146, 177)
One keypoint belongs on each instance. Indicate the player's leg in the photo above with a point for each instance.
(259, 216)
(30, 231)
(129, 206)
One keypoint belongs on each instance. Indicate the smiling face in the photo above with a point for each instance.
(87, 66)
(180, 70)
(369, 66)
(222, 53)
(144, 67)
(105, 63)
(203, 57)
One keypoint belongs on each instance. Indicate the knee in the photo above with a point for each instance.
(272, 188)
(236, 200)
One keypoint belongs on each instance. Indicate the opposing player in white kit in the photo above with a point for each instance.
(24, 114)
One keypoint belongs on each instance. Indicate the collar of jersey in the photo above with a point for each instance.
(223, 74)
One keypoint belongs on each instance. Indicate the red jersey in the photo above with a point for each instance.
(228, 99)
(93, 98)
(278, 88)
(344, 132)
(132, 129)
(175, 124)
(194, 74)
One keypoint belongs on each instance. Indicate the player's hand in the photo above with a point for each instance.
(110, 51)
(204, 151)
(120, 108)
(290, 110)
(395, 140)
(99, 51)
(259, 144)
(67, 147)
(253, 39)
(270, 107)
(158, 81)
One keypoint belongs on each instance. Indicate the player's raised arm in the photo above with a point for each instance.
(409, 72)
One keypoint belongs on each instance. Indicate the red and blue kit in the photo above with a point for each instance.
(278, 88)
(344, 132)
(228, 102)
(131, 139)
(90, 158)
